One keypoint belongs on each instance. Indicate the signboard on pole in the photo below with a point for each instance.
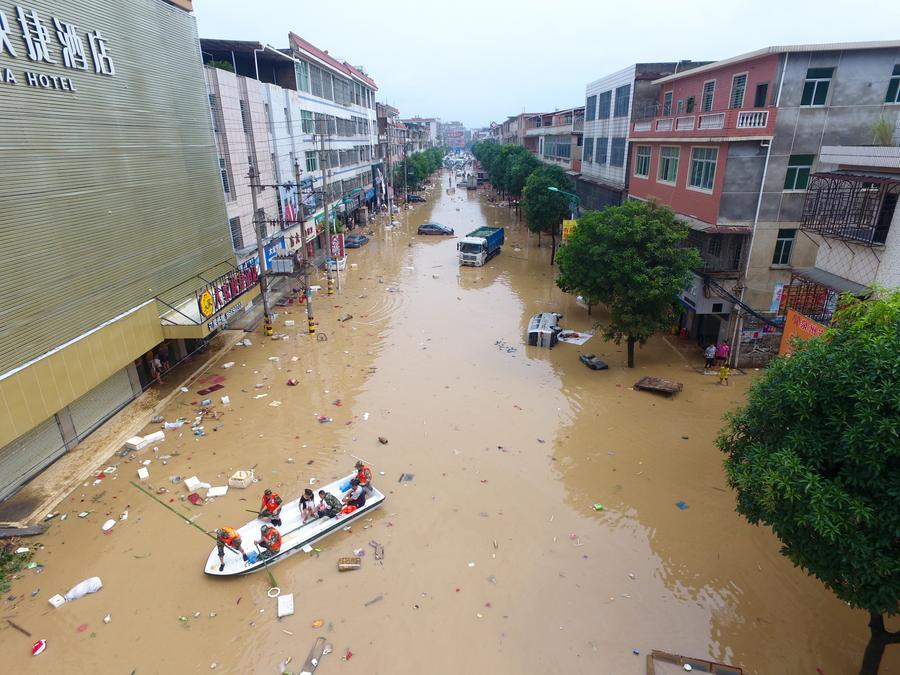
(797, 325)
(337, 246)
(568, 227)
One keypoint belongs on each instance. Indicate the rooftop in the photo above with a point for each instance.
(784, 49)
(302, 45)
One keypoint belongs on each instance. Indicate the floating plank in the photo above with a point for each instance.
(29, 531)
(657, 657)
(659, 385)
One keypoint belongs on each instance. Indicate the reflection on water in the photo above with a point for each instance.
(496, 559)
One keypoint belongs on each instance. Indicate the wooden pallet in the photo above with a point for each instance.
(697, 665)
(658, 385)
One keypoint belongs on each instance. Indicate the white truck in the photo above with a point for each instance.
(480, 245)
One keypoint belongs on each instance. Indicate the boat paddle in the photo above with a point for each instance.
(266, 565)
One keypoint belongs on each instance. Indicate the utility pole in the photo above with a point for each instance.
(309, 308)
(260, 252)
(390, 173)
(321, 124)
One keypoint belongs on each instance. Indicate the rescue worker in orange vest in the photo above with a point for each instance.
(228, 536)
(271, 507)
(364, 476)
(271, 541)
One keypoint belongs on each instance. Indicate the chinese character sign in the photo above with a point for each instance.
(53, 40)
(337, 246)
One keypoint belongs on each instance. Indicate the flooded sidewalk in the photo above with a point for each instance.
(556, 519)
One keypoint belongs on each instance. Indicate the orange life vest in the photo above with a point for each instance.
(272, 540)
(364, 476)
(271, 503)
(229, 536)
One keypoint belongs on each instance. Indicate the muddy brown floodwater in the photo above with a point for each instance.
(495, 559)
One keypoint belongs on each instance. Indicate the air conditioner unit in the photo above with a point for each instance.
(765, 144)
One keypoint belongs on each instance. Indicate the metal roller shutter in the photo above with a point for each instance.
(92, 409)
(28, 454)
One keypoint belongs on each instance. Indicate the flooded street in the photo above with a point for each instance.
(496, 560)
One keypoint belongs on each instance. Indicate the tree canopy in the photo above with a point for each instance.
(420, 166)
(634, 259)
(815, 455)
(544, 209)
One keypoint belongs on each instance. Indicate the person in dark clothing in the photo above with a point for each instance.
(329, 505)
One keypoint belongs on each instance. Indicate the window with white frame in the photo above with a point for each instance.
(601, 149)
(306, 120)
(642, 161)
(784, 244)
(668, 164)
(588, 152)
(798, 170)
(709, 92)
(617, 152)
(312, 162)
(604, 102)
(893, 90)
(815, 87)
(301, 68)
(590, 108)
(667, 104)
(623, 101)
(738, 87)
(703, 168)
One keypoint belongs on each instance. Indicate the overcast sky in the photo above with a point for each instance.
(478, 61)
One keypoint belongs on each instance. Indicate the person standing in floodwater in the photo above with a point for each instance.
(722, 352)
(710, 354)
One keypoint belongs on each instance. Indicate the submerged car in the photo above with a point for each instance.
(415, 199)
(434, 228)
(593, 362)
(356, 240)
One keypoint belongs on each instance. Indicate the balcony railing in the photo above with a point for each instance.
(712, 121)
(850, 207)
(729, 123)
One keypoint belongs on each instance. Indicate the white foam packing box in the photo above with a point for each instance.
(136, 443)
(241, 479)
(285, 605)
(57, 601)
(155, 437)
(143, 473)
(193, 484)
(219, 491)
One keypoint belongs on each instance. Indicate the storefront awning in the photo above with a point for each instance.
(832, 281)
(205, 303)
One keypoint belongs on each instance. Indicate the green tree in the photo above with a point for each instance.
(544, 210)
(521, 166)
(815, 455)
(634, 259)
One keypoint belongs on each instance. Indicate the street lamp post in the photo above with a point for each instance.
(573, 207)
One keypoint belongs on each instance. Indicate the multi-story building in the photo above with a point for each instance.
(391, 141)
(731, 148)
(610, 104)
(433, 129)
(418, 136)
(512, 131)
(454, 135)
(115, 244)
(556, 137)
(850, 212)
(279, 110)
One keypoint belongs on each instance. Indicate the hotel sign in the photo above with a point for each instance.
(26, 35)
(226, 288)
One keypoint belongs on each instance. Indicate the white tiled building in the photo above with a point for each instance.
(285, 107)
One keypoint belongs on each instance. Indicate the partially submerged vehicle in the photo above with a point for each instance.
(592, 362)
(294, 534)
(544, 329)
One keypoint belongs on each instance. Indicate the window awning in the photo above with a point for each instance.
(832, 281)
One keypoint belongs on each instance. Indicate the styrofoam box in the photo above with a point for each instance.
(155, 437)
(241, 479)
(143, 474)
(136, 443)
(57, 601)
(285, 605)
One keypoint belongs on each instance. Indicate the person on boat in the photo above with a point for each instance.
(271, 507)
(329, 506)
(270, 540)
(228, 536)
(364, 476)
(308, 505)
(355, 497)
